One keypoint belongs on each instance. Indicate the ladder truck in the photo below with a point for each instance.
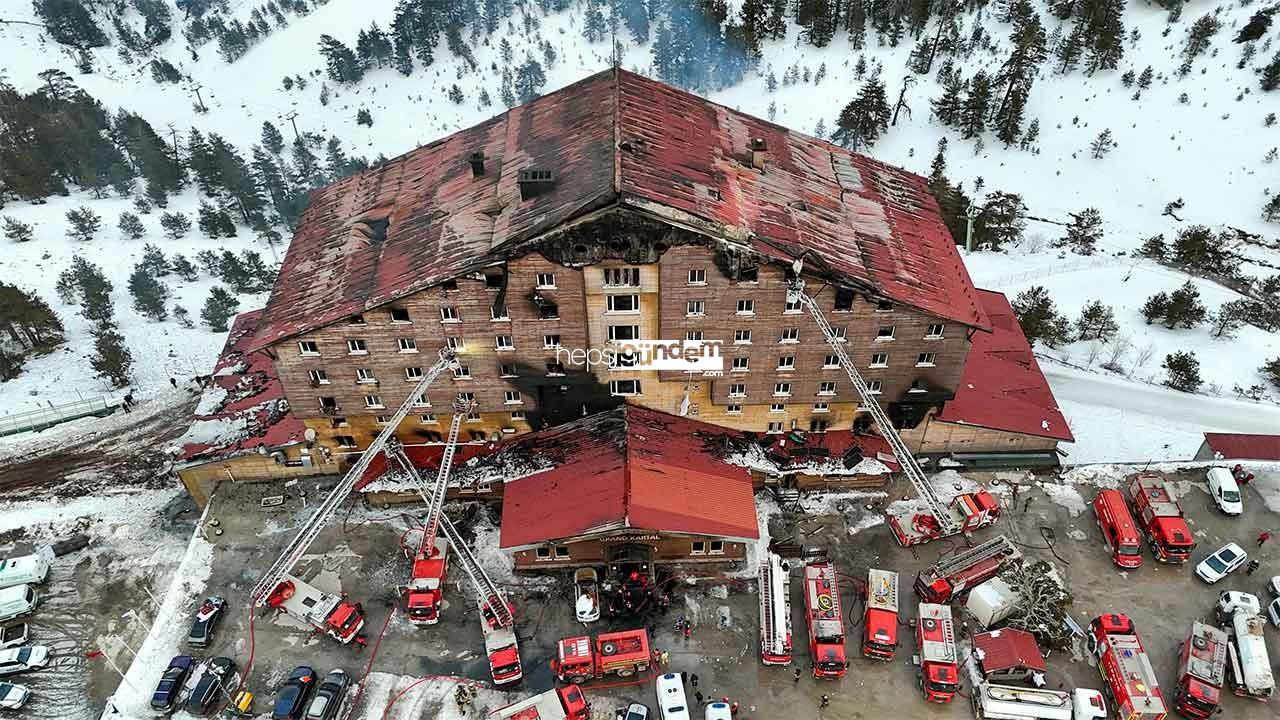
(1202, 669)
(956, 573)
(331, 613)
(775, 612)
(825, 619)
(967, 512)
(497, 615)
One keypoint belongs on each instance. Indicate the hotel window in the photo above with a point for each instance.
(546, 280)
(917, 386)
(695, 308)
(555, 369)
(738, 390)
(428, 419)
(543, 553)
(884, 333)
(698, 547)
(550, 341)
(503, 342)
(622, 303)
(884, 306)
(733, 409)
(562, 552)
(879, 360)
(512, 397)
(821, 407)
(742, 337)
(413, 373)
(818, 425)
(693, 335)
(507, 370)
(741, 364)
(517, 414)
(622, 277)
(790, 335)
(830, 361)
(318, 377)
(357, 347)
(356, 320)
(493, 281)
(827, 388)
(382, 419)
(716, 547)
(619, 333)
(746, 307)
(777, 407)
(749, 275)
(449, 314)
(935, 332)
(774, 428)
(421, 400)
(373, 401)
(408, 345)
(462, 372)
(786, 363)
(844, 300)
(399, 315)
(873, 386)
(345, 441)
(365, 375)
(624, 387)
(698, 277)
(498, 314)
(308, 347)
(781, 389)
(839, 334)
(925, 359)
(791, 308)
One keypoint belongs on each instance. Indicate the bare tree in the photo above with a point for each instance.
(1144, 355)
(901, 105)
(1119, 346)
(1042, 610)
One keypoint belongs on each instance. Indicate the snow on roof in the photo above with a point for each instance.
(832, 454)
(1002, 387)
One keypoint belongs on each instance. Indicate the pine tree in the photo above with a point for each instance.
(233, 272)
(176, 225)
(865, 117)
(209, 221)
(341, 64)
(1071, 48)
(1183, 371)
(131, 226)
(149, 294)
(17, 231)
(1030, 136)
(1230, 317)
(112, 360)
(84, 224)
(218, 308)
(153, 261)
(1184, 307)
(949, 106)
(93, 290)
(1097, 322)
(529, 80)
(183, 316)
(455, 95)
(1271, 209)
(69, 22)
(1271, 73)
(1000, 221)
(364, 118)
(1199, 35)
(1102, 144)
(1271, 371)
(272, 140)
(973, 115)
(1018, 73)
(1155, 307)
(1083, 232)
(183, 268)
(209, 261)
(1039, 317)
(594, 27)
(635, 16)
(142, 205)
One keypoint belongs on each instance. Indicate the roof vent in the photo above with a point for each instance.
(477, 163)
(758, 147)
(534, 182)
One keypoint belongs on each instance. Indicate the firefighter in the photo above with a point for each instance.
(797, 674)
(1253, 565)
(826, 700)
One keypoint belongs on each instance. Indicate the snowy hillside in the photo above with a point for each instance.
(1209, 150)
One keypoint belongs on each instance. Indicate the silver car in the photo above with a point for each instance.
(17, 660)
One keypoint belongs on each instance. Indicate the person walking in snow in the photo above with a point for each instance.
(797, 674)
(1253, 565)
(826, 700)
(1263, 536)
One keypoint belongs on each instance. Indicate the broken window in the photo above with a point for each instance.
(749, 274)
(455, 342)
(562, 552)
(542, 553)
(328, 404)
(338, 422)
(548, 311)
(493, 281)
(449, 285)
(698, 547)
(716, 547)
(884, 333)
(433, 436)
(884, 306)
(421, 400)
(839, 334)
(622, 277)
(517, 415)
(624, 387)
(818, 425)
(318, 377)
(844, 299)
(507, 370)
(555, 369)
(917, 386)
(345, 441)
(499, 313)
(356, 320)
(399, 315)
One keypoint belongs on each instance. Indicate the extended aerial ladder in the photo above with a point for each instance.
(282, 590)
(968, 512)
(775, 612)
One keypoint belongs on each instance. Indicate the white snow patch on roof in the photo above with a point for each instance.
(211, 401)
(216, 432)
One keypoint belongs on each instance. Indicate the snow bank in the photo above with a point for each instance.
(1066, 496)
(428, 697)
(47, 518)
(211, 401)
(215, 432)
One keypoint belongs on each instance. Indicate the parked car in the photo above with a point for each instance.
(1273, 586)
(636, 711)
(1225, 491)
(210, 687)
(13, 696)
(1228, 558)
(25, 569)
(16, 660)
(329, 696)
(1232, 601)
(166, 692)
(291, 700)
(14, 635)
(206, 622)
(1273, 613)
(18, 601)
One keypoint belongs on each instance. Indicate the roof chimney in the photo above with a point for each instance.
(477, 163)
(758, 147)
(534, 182)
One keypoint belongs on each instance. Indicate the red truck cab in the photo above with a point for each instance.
(880, 623)
(1202, 669)
(624, 654)
(825, 620)
(1125, 668)
(1160, 517)
(1118, 528)
(936, 646)
(566, 703)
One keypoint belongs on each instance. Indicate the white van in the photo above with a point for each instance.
(1225, 491)
(26, 569)
(672, 704)
(17, 601)
(718, 711)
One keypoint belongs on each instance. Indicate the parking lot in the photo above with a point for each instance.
(410, 672)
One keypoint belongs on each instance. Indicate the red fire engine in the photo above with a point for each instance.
(329, 613)
(936, 646)
(619, 653)
(566, 703)
(967, 512)
(1160, 517)
(956, 573)
(775, 612)
(1125, 668)
(1201, 672)
(825, 619)
(880, 637)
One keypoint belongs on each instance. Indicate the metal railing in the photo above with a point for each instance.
(54, 414)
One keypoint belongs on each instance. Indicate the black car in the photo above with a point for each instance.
(166, 692)
(211, 685)
(291, 701)
(206, 622)
(329, 697)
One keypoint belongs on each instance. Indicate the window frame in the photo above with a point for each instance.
(624, 274)
(741, 364)
(823, 390)
(406, 345)
(634, 331)
(462, 372)
(410, 375)
(737, 390)
(374, 402)
(789, 336)
(611, 302)
(695, 308)
(733, 409)
(883, 362)
(408, 319)
(540, 281)
(927, 360)
(504, 343)
(551, 341)
(745, 306)
(882, 337)
(357, 346)
(314, 350)
(615, 385)
(782, 389)
(449, 314)
(318, 376)
(786, 363)
(697, 276)
(365, 376)
(939, 335)
(779, 407)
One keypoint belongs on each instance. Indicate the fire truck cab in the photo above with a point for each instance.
(1160, 517)
(500, 645)
(1118, 528)
(825, 618)
(880, 623)
(425, 593)
(566, 703)
(775, 612)
(1202, 667)
(622, 653)
(329, 613)
(1125, 668)
(968, 512)
(936, 646)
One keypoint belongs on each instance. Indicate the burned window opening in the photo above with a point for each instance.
(844, 299)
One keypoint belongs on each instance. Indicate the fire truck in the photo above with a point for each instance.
(939, 676)
(328, 613)
(623, 653)
(931, 518)
(825, 619)
(775, 612)
(1250, 666)
(956, 573)
(566, 703)
(1160, 517)
(880, 636)
(1201, 671)
(1125, 668)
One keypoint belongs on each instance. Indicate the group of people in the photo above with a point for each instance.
(464, 695)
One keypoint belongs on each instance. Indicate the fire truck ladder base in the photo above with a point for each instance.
(999, 545)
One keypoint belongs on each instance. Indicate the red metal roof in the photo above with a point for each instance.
(630, 468)
(616, 138)
(1008, 649)
(1002, 387)
(254, 396)
(1239, 446)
